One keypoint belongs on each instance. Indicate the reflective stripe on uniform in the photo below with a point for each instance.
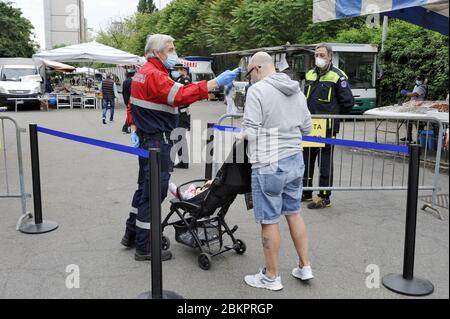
(333, 75)
(142, 225)
(153, 106)
(311, 76)
(173, 93)
(329, 96)
(309, 91)
(330, 76)
(133, 210)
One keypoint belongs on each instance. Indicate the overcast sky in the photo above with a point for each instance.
(97, 12)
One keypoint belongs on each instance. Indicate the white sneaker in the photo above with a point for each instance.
(304, 273)
(260, 280)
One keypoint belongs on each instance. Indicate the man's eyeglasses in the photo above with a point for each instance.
(248, 75)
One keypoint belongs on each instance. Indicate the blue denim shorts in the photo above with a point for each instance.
(277, 189)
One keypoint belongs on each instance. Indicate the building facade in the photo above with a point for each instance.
(65, 23)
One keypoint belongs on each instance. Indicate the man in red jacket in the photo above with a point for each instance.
(153, 114)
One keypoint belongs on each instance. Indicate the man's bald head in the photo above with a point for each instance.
(261, 59)
(260, 65)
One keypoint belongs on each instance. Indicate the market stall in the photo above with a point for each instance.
(415, 113)
(84, 90)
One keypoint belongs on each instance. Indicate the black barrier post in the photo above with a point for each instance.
(406, 284)
(157, 292)
(39, 226)
(209, 152)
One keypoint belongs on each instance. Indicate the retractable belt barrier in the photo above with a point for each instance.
(333, 141)
(99, 143)
(40, 226)
(404, 283)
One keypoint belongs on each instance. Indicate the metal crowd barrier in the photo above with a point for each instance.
(359, 169)
(6, 172)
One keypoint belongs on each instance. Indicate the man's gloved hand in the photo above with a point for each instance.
(404, 92)
(227, 77)
(135, 139)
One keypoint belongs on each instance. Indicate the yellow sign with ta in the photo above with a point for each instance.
(319, 130)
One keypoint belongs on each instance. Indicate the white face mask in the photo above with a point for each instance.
(171, 60)
(419, 82)
(176, 74)
(321, 63)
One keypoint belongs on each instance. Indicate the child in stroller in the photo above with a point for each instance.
(201, 212)
(190, 192)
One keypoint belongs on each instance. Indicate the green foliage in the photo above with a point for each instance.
(15, 33)
(267, 22)
(218, 24)
(146, 6)
(118, 34)
(409, 51)
(202, 27)
(58, 46)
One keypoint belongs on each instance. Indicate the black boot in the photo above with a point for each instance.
(128, 240)
(182, 165)
(144, 255)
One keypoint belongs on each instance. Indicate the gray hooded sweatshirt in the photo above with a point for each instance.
(276, 117)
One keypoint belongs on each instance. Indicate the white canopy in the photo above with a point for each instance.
(89, 52)
(90, 71)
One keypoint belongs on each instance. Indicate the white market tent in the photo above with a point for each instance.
(86, 71)
(89, 52)
(430, 14)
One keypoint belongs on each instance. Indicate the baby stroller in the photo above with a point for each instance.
(201, 220)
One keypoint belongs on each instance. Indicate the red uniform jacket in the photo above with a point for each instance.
(155, 98)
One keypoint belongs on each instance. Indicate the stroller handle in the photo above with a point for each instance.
(194, 181)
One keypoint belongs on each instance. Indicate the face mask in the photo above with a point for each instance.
(419, 82)
(321, 63)
(172, 59)
(175, 74)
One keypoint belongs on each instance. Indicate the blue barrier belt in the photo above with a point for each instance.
(333, 141)
(86, 140)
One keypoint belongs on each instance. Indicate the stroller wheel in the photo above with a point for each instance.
(240, 247)
(204, 261)
(165, 243)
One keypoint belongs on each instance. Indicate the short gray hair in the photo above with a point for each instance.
(156, 42)
(327, 47)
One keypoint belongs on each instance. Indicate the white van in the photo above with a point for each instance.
(19, 81)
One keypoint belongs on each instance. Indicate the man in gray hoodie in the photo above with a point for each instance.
(276, 117)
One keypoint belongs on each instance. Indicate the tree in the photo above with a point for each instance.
(268, 22)
(16, 32)
(409, 51)
(146, 6)
(118, 33)
(201, 27)
(217, 25)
